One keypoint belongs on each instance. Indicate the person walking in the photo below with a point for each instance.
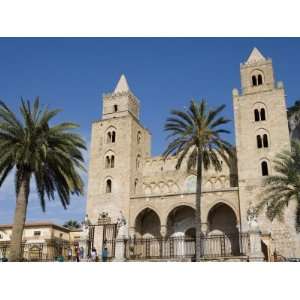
(94, 254)
(69, 254)
(77, 253)
(104, 254)
(81, 252)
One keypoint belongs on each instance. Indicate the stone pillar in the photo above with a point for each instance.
(163, 231)
(255, 253)
(204, 228)
(121, 241)
(120, 250)
(131, 232)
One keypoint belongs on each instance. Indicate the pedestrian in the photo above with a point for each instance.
(104, 254)
(94, 254)
(81, 252)
(69, 254)
(77, 253)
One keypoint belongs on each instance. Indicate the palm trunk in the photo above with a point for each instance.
(19, 219)
(198, 222)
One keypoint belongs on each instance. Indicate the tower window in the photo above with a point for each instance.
(138, 161)
(256, 115)
(264, 169)
(265, 141)
(259, 141)
(112, 161)
(259, 80)
(108, 186)
(115, 108)
(113, 137)
(109, 161)
(262, 114)
(135, 185)
(254, 81)
(139, 136)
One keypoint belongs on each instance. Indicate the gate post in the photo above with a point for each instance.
(256, 253)
(120, 250)
(121, 239)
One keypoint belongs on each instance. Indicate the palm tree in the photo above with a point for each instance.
(32, 148)
(283, 187)
(72, 224)
(196, 137)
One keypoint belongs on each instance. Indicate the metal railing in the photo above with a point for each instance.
(214, 246)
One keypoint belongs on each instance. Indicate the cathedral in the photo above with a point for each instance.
(158, 201)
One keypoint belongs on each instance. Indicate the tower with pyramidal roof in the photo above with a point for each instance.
(261, 131)
(118, 144)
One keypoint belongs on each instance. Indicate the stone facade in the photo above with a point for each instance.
(157, 200)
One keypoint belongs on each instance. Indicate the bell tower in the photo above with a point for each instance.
(261, 130)
(121, 102)
(119, 143)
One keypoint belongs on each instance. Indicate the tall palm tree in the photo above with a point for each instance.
(33, 148)
(72, 224)
(196, 136)
(283, 187)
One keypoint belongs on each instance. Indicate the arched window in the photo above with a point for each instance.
(256, 115)
(254, 81)
(138, 161)
(265, 141)
(108, 186)
(139, 136)
(264, 169)
(112, 161)
(135, 185)
(113, 137)
(262, 114)
(115, 108)
(107, 162)
(259, 80)
(259, 141)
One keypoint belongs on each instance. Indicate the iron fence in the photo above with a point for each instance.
(214, 246)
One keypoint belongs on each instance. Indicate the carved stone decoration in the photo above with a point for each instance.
(104, 218)
(252, 217)
(123, 231)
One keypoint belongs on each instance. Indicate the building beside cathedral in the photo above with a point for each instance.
(158, 201)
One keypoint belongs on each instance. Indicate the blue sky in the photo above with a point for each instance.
(164, 73)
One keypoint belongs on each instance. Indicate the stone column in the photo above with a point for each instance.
(120, 250)
(131, 232)
(255, 253)
(255, 245)
(204, 228)
(121, 241)
(163, 231)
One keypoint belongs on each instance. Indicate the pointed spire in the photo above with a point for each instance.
(255, 56)
(122, 85)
